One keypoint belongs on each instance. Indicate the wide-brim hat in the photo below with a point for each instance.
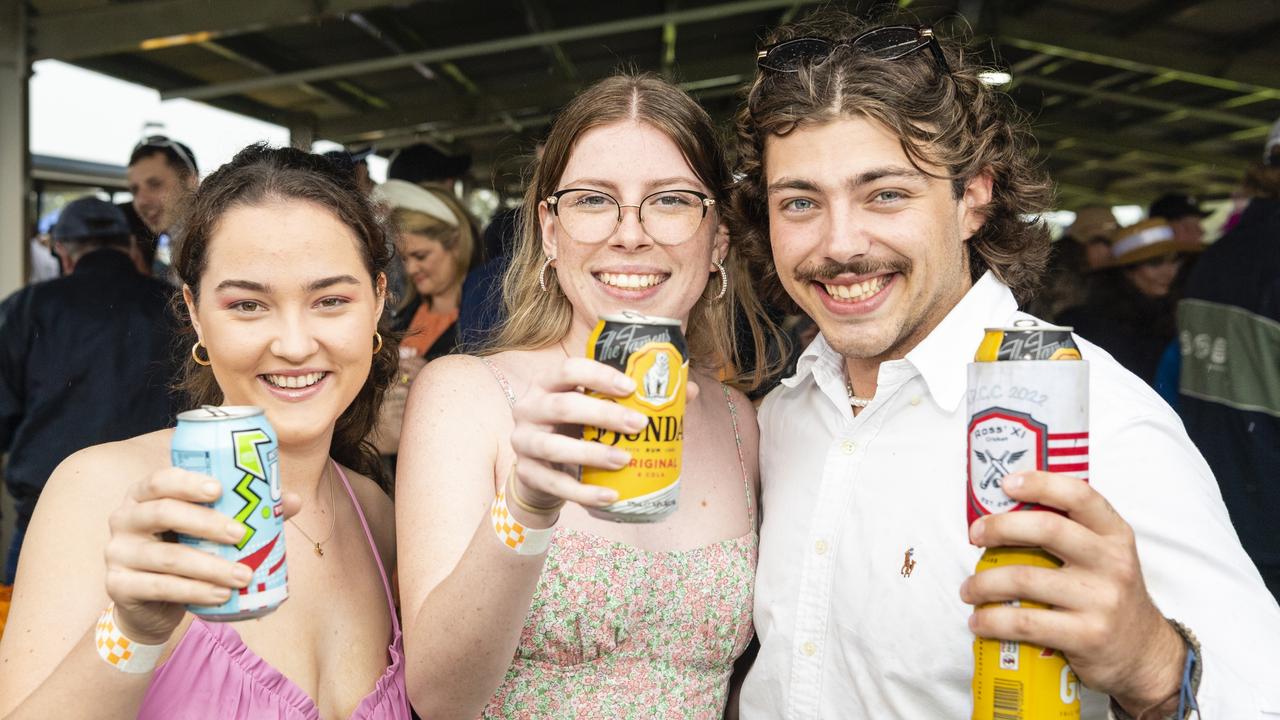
(1146, 240)
(401, 194)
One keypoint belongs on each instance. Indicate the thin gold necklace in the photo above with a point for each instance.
(333, 519)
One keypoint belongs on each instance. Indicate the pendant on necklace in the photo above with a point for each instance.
(319, 551)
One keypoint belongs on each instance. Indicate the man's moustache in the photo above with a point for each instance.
(831, 268)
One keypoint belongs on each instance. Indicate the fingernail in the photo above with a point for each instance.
(211, 489)
(973, 621)
(1012, 482)
(606, 497)
(636, 421)
(243, 574)
(619, 457)
(975, 532)
(624, 384)
(222, 594)
(235, 530)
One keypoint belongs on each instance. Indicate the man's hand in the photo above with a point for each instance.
(1101, 617)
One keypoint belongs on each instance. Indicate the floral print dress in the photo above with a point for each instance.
(615, 631)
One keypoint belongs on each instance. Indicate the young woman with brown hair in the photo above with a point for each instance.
(282, 270)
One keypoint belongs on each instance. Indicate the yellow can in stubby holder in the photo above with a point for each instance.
(1024, 414)
(652, 351)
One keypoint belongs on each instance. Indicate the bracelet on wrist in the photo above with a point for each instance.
(513, 491)
(1188, 687)
(513, 533)
(119, 651)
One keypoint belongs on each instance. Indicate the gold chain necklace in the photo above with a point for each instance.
(333, 519)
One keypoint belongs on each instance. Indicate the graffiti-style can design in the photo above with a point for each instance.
(652, 351)
(237, 446)
(1028, 405)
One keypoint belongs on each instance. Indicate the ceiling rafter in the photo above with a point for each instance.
(484, 47)
(79, 34)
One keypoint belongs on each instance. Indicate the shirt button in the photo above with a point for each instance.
(848, 446)
(915, 400)
(809, 649)
(820, 547)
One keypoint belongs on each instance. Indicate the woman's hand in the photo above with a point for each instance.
(547, 437)
(386, 434)
(150, 579)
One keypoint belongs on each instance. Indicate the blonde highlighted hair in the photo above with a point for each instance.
(717, 329)
(460, 240)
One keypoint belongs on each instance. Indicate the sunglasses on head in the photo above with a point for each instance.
(160, 141)
(885, 43)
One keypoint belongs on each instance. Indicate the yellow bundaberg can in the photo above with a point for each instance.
(1024, 414)
(652, 351)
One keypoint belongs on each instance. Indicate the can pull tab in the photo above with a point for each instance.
(215, 411)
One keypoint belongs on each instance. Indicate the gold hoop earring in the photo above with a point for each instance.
(195, 355)
(542, 274)
(724, 279)
(377, 336)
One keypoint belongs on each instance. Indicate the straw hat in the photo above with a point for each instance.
(1146, 240)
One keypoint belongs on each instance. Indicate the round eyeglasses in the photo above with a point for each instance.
(670, 217)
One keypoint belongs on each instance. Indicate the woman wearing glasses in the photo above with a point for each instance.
(609, 620)
(282, 271)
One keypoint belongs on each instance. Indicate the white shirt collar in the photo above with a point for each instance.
(943, 356)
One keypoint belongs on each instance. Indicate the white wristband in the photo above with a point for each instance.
(119, 651)
(513, 534)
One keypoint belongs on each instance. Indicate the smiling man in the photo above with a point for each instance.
(161, 173)
(892, 197)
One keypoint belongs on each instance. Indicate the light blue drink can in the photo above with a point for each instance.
(238, 447)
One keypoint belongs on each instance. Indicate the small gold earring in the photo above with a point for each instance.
(195, 355)
(377, 337)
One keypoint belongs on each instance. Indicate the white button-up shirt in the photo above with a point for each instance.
(850, 628)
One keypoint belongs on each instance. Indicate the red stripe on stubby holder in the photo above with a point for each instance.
(1077, 450)
(1068, 467)
(1069, 436)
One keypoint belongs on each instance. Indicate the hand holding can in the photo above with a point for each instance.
(237, 447)
(149, 579)
(547, 436)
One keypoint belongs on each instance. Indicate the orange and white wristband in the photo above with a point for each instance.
(119, 651)
(513, 533)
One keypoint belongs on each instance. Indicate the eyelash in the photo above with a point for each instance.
(791, 204)
(252, 307)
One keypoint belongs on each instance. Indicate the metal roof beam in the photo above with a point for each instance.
(486, 47)
(501, 123)
(1217, 70)
(538, 18)
(108, 29)
(529, 97)
(1101, 140)
(1216, 116)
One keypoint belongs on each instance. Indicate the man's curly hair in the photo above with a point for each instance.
(956, 123)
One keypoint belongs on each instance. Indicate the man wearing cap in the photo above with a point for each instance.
(84, 359)
(1229, 332)
(1183, 214)
(1130, 306)
(161, 172)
